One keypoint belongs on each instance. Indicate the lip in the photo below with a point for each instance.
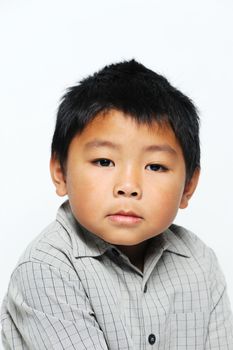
(127, 213)
(125, 217)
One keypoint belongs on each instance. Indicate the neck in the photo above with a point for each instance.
(135, 253)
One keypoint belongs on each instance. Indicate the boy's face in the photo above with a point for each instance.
(115, 166)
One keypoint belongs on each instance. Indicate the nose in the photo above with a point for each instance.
(128, 188)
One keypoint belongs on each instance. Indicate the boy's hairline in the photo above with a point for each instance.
(162, 122)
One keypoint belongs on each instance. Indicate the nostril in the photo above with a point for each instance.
(127, 193)
(121, 192)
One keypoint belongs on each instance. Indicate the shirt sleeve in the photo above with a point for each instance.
(220, 330)
(48, 309)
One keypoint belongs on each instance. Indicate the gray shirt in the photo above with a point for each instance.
(72, 290)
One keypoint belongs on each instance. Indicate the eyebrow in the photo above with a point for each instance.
(97, 143)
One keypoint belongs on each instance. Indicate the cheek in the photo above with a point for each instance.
(83, 199)
(163, 208)
(87, 189)
(165, 197)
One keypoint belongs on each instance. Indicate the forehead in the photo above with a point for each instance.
(118, 127)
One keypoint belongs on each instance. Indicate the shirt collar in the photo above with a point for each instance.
(87, 244)
(174, 241)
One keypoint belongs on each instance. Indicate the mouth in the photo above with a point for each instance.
(125, 217)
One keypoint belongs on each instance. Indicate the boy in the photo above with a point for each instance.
(113, 271)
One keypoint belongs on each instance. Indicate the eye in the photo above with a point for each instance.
(157, 167)
(102, 162)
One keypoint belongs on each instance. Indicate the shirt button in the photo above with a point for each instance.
(151, 338)
(145, 288)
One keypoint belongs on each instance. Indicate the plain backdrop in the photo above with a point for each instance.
(48, 45)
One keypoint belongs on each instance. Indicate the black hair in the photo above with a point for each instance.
(137, 91)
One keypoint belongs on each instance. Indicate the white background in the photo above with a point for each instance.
(48, 45)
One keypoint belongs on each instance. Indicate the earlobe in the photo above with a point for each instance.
(189, 189)
(58, 177)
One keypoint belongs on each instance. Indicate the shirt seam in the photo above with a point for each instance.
(44, 264)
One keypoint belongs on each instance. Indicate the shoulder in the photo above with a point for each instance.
(190, 242)
(200, 254)
(62, 243)
(53, 246)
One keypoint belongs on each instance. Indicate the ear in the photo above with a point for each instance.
(189, 189)
(58, 176)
